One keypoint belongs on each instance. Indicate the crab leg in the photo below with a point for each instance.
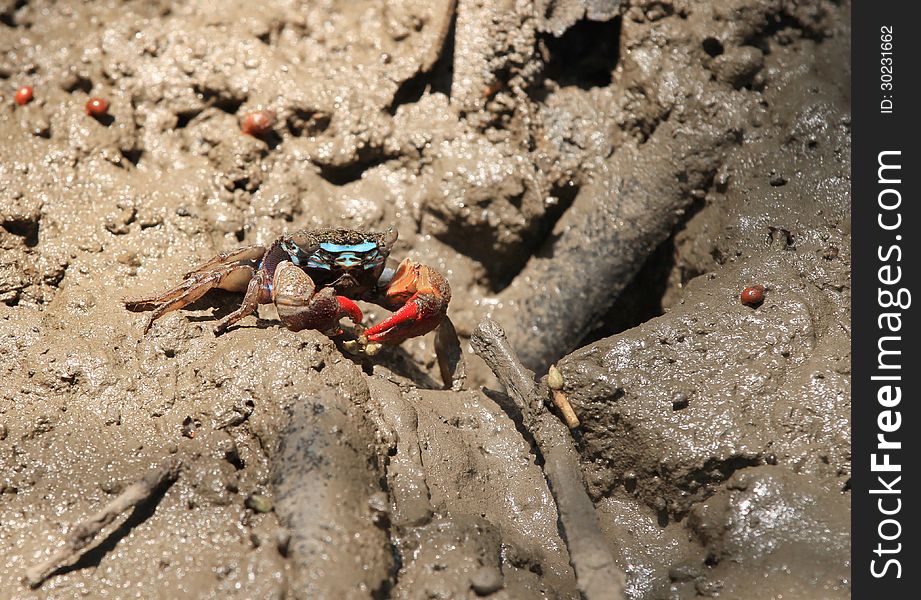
(254, 252)
(256, 293)
(422, 295)
(197, 284)
(300, 306)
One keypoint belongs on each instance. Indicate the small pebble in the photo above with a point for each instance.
(555, 378)
(684, 572)
(486, 580)
(753, 295)
(97, 107)
(679, 401)
(258, 503)
(258, 122)
(23, 95)
(188, 427)
(777, 180)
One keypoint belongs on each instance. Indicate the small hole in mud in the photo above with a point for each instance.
(184, 118)
(586, 55)
(228, 105)
(105, 120)
(79, 84)
(346, 174)
(233, 457)
(711, 560)
(133, 156)
(307, 122)
(28, 230)
(713, 46)
(219, 101)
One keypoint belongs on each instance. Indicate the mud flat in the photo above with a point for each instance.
(601, 178)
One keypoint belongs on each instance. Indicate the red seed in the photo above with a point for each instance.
(753, 295)
(258, 122)
(23, 95)
(97, 107)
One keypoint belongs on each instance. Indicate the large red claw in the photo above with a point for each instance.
(350, 309)
(409, 321)
(422, 295)
(406, 315)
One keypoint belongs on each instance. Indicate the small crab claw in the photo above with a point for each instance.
(422, 295)
(300, 306)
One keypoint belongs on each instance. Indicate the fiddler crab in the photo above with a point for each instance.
(313, 277)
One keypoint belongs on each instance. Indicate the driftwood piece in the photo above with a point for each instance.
(596, 574)
(328, 493)
(80, 536)
(619, 217)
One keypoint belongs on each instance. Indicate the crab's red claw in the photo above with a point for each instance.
(422, 295)
(350, 309)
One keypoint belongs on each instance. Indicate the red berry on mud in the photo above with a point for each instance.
(23, 95)
(258, 122)
(97, 107)
(753, 295)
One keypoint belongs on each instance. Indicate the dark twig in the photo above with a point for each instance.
(596, 574)
(84, 533)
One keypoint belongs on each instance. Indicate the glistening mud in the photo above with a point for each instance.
(540, 172)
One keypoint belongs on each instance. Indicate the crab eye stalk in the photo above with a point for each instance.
(388, 239)
(295, 252)
(290, 249)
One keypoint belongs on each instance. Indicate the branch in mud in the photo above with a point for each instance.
(84, 533)
(596, 574)
(327, 485)
(599, 244)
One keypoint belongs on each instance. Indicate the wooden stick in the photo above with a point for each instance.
(597, 576)
(85, 532)
(555, 381)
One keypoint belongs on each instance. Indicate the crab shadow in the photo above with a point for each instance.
(222, 303)
(394, 358)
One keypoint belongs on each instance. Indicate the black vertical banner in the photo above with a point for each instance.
(886, 228)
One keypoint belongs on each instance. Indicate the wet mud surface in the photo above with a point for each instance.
(601, 178)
